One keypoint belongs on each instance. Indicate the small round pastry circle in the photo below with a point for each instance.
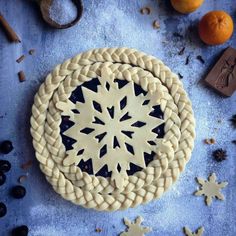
(114, 127)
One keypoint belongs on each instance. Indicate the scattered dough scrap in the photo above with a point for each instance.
(198, 232)
(210, 189)
(135, 229)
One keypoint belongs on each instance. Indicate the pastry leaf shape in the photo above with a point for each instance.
(210, 189)
(113, 127)
(135, 228)
(198, 232)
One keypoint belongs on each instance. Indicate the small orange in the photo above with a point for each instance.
(186, 6)
(216, 27)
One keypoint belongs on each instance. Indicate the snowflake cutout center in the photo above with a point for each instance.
(112, 127)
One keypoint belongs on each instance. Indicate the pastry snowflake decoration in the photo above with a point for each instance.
(198, 232)
(113, 127)
(135, 228)
(210, 189)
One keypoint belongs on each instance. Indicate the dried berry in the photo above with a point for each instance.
(6, 147)
(5, 166)
(98, 230)
(233, 120)
(181, 52)
(199, 57)
(20, 231)
(2, 178)
(187, 60)
(219, 155)
(18, 192)
(3, 209)
(180, 76)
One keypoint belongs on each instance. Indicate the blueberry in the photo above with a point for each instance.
(6, 147)
(5, 166)
(18, 192)
(20, 231)
(2, 178)
(3, 209)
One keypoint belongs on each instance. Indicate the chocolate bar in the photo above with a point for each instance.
(222, 76)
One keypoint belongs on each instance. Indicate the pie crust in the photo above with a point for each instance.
(122, 189)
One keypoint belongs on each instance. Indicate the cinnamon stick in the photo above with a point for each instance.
(10, 33)
(20, 59)
(21, 76)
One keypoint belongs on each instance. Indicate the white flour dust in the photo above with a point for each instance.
(63, 11)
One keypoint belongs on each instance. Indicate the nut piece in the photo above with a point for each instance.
(31, 51)
(98, 230)
(156, 24)
(22, 179)
(145, 11)
(209, 141)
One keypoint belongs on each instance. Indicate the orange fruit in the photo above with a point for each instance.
(216, 27)
(186, 6)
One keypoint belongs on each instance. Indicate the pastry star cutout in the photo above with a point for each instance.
(135, 229)
(210, 189)
(198, 232)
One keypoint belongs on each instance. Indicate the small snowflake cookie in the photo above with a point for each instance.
(112, 128)
(210, 189)
(198, 232)
(135, 228)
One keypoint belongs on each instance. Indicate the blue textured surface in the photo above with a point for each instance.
(111, 24)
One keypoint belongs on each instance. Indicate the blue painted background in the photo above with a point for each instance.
(115, 23)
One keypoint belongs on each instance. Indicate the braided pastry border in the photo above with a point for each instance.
(124, 200)
(101, 184)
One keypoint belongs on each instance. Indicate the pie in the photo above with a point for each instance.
(112, 128)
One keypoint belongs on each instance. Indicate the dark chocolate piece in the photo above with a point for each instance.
(222, 76)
